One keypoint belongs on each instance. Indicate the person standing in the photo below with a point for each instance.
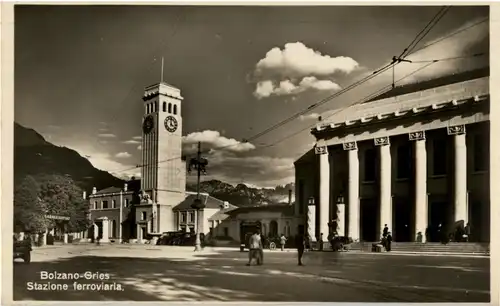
(282, 242)
(385, 231)
(300, 244)
(255, 247)
(388, 242)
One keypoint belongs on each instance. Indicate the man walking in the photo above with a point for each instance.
(255, 246)
(299, 243)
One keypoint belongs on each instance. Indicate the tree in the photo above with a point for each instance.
(29, 210)
(64, 198)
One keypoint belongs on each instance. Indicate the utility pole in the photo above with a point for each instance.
(198, 204)
(120, 218)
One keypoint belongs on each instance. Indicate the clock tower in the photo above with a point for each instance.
(163, 176)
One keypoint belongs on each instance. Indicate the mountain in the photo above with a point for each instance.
(242, 195)
(33, 155)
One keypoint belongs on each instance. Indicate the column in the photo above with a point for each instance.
(139, 233)
(324, 193)
(385, 183)
(460, 178)
(353, 191)
(105, 230)
(421, 208)
(311, 222)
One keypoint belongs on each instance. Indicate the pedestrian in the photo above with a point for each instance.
(388, 242)
(385, 231)
(255, 246)
(261, 249)
(300, 244)
(282, 242)
(320, 240)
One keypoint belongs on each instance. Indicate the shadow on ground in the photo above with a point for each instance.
(224, 277)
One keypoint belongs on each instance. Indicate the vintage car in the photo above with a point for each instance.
(22, 249)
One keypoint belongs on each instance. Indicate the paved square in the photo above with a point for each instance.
(150, 273)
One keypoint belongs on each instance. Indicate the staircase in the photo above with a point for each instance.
(430, 247)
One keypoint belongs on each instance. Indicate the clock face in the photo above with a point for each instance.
(171, 124)
(148, 124)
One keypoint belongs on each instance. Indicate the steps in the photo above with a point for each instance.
(430, 247)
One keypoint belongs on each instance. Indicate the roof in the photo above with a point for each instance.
(433, 83)
(223, 214)
(306, 157)
(108, 190)
(209, 201)
(287, 210)
(416, 103)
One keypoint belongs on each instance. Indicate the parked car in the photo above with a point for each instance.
(22, 249)
(177, 238)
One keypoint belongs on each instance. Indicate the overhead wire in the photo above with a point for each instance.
(406, 53)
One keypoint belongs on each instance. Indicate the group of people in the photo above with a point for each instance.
(256, 247)
(386, 238)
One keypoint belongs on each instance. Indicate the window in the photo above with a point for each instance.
(95, 205)
(226, 232)
(370, 166)
(164, 106)
(183, 217)
(113, 204)
(404, 161)
(126, 202)
(175, 109)
(156, 106)
(169, 108)
(191, 216)
(104, 204)
(143, 215)
(301, 201)
(439, 147)
(480, 158)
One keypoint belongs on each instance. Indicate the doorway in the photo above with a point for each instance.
(438, 220)
(369, 219)
(403, 219)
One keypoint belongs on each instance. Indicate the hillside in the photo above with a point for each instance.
(242, 195)
(33, 155)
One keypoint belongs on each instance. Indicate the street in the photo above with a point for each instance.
(151, 273)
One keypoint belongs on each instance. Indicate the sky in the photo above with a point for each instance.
(80, 73)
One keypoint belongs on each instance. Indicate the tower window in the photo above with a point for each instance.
(164, 106)
(169, 108)
(104, 204)
(147, 109)
(113, 204)
(143, 215)
(175, 109)
(156, 106)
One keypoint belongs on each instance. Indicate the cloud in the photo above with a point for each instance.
(297, 60)
(123, 155)
(267, 88)
(296, 69)
(106, 135)
(262, 171)
(139, 147)
(132, 141)
(137, 137)
(103, 130)
(214, 140)
(314, 116)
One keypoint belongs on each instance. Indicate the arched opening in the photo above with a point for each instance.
(156, 106)
(273, 228)
(164, 106)
(143, 215)
(169, 108)
(147, 108)
(175, 109)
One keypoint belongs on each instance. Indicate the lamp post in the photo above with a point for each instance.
(199, 164)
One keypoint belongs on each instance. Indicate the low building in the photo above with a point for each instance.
(415, 159)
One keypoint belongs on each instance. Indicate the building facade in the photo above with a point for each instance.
(415, 159)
